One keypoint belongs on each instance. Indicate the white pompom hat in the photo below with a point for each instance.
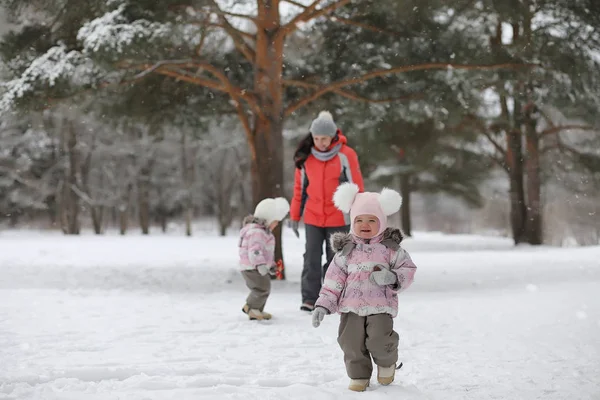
(272, 209)
(348, 199)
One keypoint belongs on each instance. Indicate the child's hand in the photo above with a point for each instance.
(263, 269)
(317, 316)
(383, 277)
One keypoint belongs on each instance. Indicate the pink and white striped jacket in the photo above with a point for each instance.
(347, 287)
(256, 245)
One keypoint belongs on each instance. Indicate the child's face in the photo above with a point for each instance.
(366, 226)
(273, 225)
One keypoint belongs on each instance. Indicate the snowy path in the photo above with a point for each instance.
(159, 318)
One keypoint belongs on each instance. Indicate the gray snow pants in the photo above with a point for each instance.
(364, 337)
(260, 288)
(313, 271)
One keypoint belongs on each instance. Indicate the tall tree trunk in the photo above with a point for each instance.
(123, 219)
(514, 165)
(143, 191)
(267, 135)
(124, 210)
(189, 216)
(534, 203)
(187, 169)
(225, 190)
(96, 211)
(532, 140)
(405, 191)
(70, 200)
(163, 222)
(97, 218)
(518, 208)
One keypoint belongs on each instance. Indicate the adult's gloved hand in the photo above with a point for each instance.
(294, 226)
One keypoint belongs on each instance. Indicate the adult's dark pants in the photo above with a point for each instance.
(313, 271)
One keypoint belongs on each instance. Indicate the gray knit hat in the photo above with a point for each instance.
(323, 125)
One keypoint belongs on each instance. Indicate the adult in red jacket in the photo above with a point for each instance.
(323, 161)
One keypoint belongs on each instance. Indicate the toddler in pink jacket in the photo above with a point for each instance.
(257, 253)
(362, 284)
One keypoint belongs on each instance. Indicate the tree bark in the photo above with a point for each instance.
(405, 191)
(534, 201)
(518, 208)
(163, 222)
(97, 218)
(267, 133)
(143, 190)
(70, 200)
(187, 170)
(124, 211)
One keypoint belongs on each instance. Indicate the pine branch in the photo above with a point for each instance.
(222, 84)
(350, 95)
(219, 10)
(406, 68)
(367, 27)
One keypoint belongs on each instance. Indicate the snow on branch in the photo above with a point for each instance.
(56, 64)
(113, 32)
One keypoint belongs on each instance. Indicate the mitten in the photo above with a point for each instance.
(263, 269)
(382, 277)
(294, 226)
(317, 316)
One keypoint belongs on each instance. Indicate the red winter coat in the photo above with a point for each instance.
(316, 182)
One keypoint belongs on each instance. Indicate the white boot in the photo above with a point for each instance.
(253, 313)
(266, 315)
(358, 385)
(385, 375)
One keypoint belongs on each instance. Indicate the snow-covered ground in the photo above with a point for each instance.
(158, 317)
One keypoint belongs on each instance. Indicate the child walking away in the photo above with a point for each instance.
(362, 284)
(257, 253)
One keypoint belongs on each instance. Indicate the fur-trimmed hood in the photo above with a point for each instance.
(340, 241)
(251, 219)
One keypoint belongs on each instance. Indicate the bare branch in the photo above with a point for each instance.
(347, 21)
(222, 26)
(493, 141)
(352, 96)
(560, 128)
(244, 16)
(235, 34)
(367, 27)
(203, 35)
(205, 12)
(295, 3)
(302, 17)
(498, 161)
(247, 129)
(310, 13)
(82, 195)
(327, 10)
(406, 68)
